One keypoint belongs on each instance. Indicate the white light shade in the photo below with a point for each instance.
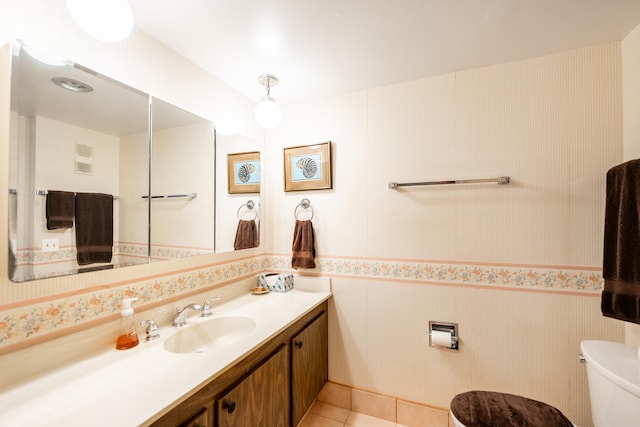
(268, 114)
(106, 20)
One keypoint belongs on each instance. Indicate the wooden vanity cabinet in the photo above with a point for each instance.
(272, 386)
(309, 366)
(261, 399)
(201, 419)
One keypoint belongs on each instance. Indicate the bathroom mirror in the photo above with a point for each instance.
(163, 184)
(74, 131)
(234, 207)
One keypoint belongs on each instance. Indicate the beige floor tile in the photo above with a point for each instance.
(313, 420)
(336, 395)
(373, 404)
(413, 415)
(330, 411)
(357, 419)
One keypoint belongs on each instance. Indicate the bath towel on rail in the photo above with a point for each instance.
(621, 263)
(246, 235)
(94, 227)
(60, 206)
(303, 245)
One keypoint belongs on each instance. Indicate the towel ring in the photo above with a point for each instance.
(250, 206)
(304, 204)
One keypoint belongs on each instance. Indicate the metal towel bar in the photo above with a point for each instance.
(173, 196)
(45, 192)
(304, 204)
(251, 206)
(499, 180)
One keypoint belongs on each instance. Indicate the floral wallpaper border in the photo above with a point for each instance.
(546, 278)
(26, 323)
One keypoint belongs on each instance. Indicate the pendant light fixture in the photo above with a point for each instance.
(106, 20)
(268, 114)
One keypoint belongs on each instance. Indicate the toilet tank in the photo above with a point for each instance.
(613, 373)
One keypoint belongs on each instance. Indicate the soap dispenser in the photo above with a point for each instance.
(128, 336)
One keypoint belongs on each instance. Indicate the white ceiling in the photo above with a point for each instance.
(329, 47)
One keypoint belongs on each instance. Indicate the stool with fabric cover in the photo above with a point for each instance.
(493, 409)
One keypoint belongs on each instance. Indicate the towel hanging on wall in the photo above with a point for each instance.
(94, 227)
(60, 206)
(246, 235)
(303, 245)
(621, 262)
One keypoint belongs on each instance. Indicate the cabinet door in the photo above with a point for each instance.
(261, 399)
(309, 365)
(201, 419)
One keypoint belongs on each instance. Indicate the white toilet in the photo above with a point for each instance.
(613, 372)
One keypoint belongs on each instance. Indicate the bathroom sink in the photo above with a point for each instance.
(200, 337)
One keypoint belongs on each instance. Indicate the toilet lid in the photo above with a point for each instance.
(493, 409)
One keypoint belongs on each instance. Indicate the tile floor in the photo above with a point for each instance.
(324, 415)
(341, 406)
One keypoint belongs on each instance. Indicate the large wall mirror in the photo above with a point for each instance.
(84, 147)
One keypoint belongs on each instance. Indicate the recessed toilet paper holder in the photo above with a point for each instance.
(446, 330)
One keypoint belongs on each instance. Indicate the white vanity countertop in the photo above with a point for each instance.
(130, 387)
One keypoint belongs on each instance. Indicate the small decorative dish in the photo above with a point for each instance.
(259, 291)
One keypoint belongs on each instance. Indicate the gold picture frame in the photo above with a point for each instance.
(243, 171)
(308, 167)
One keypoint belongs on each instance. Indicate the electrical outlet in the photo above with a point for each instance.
(50, 245)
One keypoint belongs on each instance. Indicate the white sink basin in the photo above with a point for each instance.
(219, 331)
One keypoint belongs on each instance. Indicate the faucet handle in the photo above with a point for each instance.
(206, 307)
(152, 331)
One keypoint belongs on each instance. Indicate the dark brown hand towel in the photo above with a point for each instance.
(246, 235)
(94, 227)
(303, 246)
(621, 260)
(59, 209)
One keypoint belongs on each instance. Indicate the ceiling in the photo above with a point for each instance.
(329, 47)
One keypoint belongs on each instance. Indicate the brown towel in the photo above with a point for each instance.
(246, 235)
(493, 409)
(303, 246)
(59, 209)
(621, 260)
(94, 227)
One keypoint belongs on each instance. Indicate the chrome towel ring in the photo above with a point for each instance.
(251, 206)
(304, 204)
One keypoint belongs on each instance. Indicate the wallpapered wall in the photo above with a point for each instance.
(516, 266)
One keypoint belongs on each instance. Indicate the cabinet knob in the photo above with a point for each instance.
(229, 406)
(299, 344)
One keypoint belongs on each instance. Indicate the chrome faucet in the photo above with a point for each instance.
(180, 318)
(206, 307)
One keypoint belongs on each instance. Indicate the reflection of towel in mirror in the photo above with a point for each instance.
(621, 264)
(94, 227)
(59, 209)
(303, 246)
(246, 235)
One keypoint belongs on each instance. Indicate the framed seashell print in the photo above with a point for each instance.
(308, 167)
(243, 170)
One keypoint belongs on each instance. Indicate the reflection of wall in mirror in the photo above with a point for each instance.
(230, 206)
(53, 164)
(134, 213)
(183, 159)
